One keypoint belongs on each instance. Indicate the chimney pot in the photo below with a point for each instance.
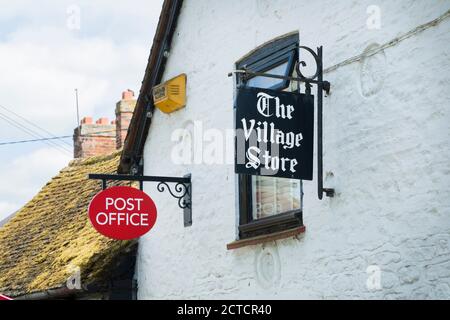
(102, 121)
(128, 94)
(86, 120)
(113, 132)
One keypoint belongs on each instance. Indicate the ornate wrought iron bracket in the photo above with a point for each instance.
(322, 85)
(182, 191)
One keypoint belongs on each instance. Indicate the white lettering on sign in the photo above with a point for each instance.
(122, 218)
(252, 156)
(118, 217)
(122, 204)
(274, 133)
(122, 213)
(265, 132)
(270, 162)
(264, 107)
(263, 104)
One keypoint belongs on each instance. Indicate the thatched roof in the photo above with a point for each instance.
(51, 236)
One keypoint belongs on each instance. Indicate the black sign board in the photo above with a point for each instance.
(274, 133)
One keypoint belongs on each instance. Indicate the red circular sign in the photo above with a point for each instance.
(122, 213)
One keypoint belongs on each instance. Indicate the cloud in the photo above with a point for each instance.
(6, 209)
(42, 61)
(41, 78)
(23, 177)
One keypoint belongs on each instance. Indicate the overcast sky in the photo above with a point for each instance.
(47, 49)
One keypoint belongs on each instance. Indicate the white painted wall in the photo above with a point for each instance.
(386, 143)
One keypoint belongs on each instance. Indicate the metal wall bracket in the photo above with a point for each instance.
(182, 190)
(322, 85)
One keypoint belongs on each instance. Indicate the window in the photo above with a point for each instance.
(266, 204)
(276, 57)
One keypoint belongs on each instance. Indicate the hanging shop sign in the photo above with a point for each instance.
(122, 213)
(274, 133)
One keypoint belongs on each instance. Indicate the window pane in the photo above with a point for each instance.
(274, 195)
(265, 82)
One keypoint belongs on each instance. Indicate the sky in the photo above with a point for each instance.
(47, 49)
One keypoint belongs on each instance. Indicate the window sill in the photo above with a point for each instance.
(266, 238)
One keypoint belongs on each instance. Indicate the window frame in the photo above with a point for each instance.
(261, 59)
(271, 55)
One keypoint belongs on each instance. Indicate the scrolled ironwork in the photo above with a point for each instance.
(179, 192)
(303, 64)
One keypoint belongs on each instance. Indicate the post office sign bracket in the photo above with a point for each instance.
(182, 190)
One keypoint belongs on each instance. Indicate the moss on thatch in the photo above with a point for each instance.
(48, 238)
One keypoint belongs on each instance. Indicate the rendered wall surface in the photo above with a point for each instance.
(386, 152)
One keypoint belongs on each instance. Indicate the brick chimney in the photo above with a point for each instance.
(103, 137)
(124, 112)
